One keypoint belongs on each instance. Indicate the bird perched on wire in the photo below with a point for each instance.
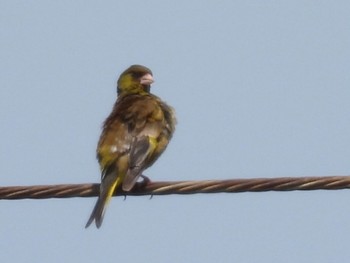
(134, 135)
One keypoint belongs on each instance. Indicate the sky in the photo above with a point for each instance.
(261, 89)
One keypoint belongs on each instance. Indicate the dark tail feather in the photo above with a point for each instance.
(98, 212)
(108, 185)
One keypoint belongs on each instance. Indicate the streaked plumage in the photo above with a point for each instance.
(134, 135)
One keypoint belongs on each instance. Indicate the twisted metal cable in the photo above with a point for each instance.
(181, 187)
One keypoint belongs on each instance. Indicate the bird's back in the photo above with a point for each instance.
(139, 126)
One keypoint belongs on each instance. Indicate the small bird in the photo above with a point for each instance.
(134, 135)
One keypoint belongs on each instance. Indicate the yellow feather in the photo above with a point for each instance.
(112, 189)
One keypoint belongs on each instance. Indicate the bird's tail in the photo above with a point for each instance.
(101, 205)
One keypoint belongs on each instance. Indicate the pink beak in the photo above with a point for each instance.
(147, 79)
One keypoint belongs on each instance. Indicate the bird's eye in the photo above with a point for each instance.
(136, 75)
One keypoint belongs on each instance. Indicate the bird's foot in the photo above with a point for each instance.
(145, 180)
(141, 185)
(144, 183)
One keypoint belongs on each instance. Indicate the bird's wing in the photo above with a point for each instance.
(145, 124)
(141, 149)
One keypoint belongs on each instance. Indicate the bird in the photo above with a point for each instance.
(134, 135)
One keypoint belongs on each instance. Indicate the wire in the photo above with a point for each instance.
(180, 187)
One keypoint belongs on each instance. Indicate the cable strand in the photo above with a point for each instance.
(180, 187)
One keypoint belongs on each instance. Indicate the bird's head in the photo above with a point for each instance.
(135, 79)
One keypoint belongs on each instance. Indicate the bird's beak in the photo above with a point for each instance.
(147, 79)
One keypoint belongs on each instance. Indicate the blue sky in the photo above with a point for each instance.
(261, 89)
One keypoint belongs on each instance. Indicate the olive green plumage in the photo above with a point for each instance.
(133, 137)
